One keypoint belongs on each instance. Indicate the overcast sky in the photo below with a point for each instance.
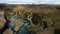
(30, 1)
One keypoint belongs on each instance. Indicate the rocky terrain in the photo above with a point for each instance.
(50, 10)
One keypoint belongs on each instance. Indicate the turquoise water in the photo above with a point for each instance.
(14, 16)
(23, 29)
(11, 25)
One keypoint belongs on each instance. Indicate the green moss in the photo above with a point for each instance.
(37, 27)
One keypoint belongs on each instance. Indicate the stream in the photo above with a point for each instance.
(23, 29)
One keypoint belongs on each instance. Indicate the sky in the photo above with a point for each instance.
(30, 1)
